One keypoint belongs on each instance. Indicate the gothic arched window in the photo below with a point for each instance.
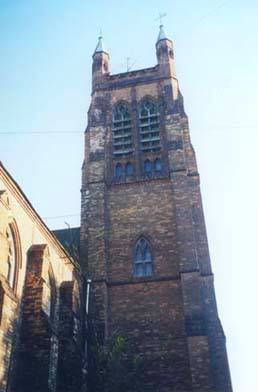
(12, 257)
(118, 170)
(143, 263)
(149, 126)
(129, 169)
(147, 168)
(122, 130)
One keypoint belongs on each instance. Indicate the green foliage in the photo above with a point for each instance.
(113, 369)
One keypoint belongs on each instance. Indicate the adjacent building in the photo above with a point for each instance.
(40, 320)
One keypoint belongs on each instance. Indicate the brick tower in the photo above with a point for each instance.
(143, 236)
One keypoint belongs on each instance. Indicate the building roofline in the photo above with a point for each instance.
(20, 195)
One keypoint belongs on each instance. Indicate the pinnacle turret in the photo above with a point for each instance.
(162, 34)
(100, 46)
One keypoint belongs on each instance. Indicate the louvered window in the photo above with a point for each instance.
(149, 127)
(122, 131)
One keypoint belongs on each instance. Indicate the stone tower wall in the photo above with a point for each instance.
(170, 318)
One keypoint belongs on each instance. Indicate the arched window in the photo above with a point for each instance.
(157, 165)
(149, 126)
(122, 131)
(129, 169)
(147, 168)
(118, 170)
(12, 257)
(143, 263)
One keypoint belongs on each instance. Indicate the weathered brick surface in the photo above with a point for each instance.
(34, 333)
(170, 318)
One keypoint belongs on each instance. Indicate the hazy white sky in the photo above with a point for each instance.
(45, 79)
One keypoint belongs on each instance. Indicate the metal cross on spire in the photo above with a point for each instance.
(161, 16)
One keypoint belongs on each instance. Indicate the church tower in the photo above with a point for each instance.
(143, 236)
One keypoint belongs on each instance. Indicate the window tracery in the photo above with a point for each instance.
(122, 130)
(149, 126)
(143, 261)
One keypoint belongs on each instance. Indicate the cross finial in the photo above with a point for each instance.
(161, 16)
(129, 64)
(100, 33)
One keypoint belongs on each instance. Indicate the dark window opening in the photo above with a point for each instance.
(148, 167)
(118, 170)
(157, 164)
(129, 169)
(143, 263)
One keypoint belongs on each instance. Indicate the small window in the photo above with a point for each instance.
(129, 169)
(118, 170)
(157, 164)
(143, 264)
(148, 167)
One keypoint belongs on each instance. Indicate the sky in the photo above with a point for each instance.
(45, 85)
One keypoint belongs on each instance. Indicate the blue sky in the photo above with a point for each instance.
(45, 79)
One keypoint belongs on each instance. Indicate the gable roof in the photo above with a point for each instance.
(70, 239)
(24, 201)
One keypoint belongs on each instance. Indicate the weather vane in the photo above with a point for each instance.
(161, 16)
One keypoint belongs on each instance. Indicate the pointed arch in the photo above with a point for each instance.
(14, 260)
(122, 130)
(149, 125)
(143, 258)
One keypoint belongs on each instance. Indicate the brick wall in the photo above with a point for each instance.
(170, 319)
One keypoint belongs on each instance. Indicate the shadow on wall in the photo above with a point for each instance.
(9, 327)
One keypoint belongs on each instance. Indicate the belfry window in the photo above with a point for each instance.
(122, 131)
(143, 263)
(149, 127)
